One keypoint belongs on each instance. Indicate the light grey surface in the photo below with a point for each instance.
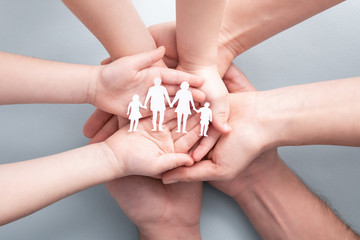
(322, 48)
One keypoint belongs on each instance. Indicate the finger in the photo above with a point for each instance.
(205, 170)
(171, 76)
(190, 124)
(236, 81)
(198, 95)
(106, 131)
(170, 161)
(185, 142)
(96, 121)
(220, 114)
(122, 121)
(106, 61)
(170, 114)
(145, 59)
(205, 145)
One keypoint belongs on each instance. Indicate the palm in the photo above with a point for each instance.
(146, 148)
(245, 135)
(119, 86)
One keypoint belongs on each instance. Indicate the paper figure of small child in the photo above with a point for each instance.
(183, 108)
(205, 118)
(135, 114)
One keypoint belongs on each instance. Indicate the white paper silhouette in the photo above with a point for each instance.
(135, 115)
(184, 97)
(157, 103)
(205, 118)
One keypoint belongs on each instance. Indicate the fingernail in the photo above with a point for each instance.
(227, 127)
(170, 181)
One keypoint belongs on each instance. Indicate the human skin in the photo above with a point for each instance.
(41, 81)
(317, 113)
(245, 24)
(45, 180)
(197, 30)
(279, 205)
(108, 87)
(274, 199)
(165, 211)
(120, 30)
(160, 211)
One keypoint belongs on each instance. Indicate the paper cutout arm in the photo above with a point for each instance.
(167, 97)
(192, 103)
(175, 99)
(148, 95)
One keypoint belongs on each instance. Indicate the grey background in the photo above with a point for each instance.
(323, 48)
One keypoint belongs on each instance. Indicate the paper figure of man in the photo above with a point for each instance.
(205, 118)
(157, 94)
(184, 97)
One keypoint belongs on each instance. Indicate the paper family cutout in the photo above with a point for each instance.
(157, 95)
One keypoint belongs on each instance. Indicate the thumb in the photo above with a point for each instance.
(205, 170)
(220, 112)
(236, 81)
(146, 59)
(170, 161)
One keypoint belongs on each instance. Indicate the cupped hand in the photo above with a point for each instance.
(234, 151)
(146, 152)
(115, 84)
(159, 211)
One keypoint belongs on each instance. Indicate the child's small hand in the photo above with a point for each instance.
(150, 153)
(216, 94)
(113, 86)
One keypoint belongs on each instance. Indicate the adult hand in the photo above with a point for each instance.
(247, 140)
(159, 211)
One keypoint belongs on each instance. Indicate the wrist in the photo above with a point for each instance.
(164, 232)
(93, 80)
(275, 117)
(267, 167)
(113, 166)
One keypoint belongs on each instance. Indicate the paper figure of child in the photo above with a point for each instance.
(135, 114)
(183, 108)
(157, 103)
(205, 118)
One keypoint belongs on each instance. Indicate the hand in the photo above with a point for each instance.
(159, 211)
(235, 81)
(216, 93)
(164, 34)
(150, 153)
(115, 84)
(247, 140)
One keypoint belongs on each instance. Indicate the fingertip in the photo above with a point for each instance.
(196, 156)
(190, 161)
(162, 49)
(169, 181)
(227, 128)
(222, 127)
